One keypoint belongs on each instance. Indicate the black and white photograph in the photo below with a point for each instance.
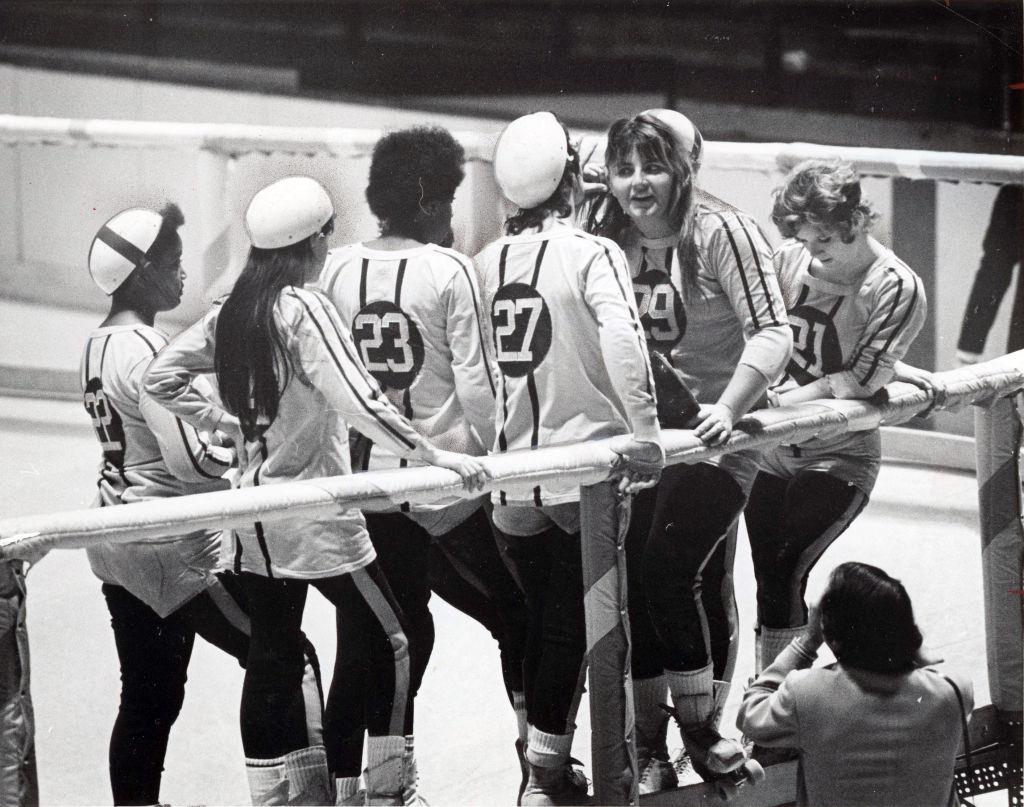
(539, 402)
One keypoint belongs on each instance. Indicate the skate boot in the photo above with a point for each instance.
(350, 791)
(300, 777)
(698, 701)
(656, 773)
(553, 787)
(392, 778)
(717, 759)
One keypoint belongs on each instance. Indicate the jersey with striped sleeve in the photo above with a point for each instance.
(851, 335)
(327, 389)
(568, 345)
(416, 319)
(734, 315)
(147, 454)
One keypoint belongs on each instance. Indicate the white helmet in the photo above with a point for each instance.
(121, 246)
(530, 158)
(686, 134)
(286, 211)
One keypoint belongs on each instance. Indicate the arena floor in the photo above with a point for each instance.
(921, 526)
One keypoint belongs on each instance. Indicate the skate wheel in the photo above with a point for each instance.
(753, 771)
(725, 789)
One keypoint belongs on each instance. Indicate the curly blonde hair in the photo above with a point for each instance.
(825, 194)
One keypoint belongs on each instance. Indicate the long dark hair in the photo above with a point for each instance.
(868, 620)
(654, 142)
(250, 358)
(558, 203)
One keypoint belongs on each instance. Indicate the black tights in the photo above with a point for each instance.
(678, 557)
(464, 568)
(272, 714)
(154, 654)
(791, 522)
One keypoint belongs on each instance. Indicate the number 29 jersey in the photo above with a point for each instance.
(569, 346)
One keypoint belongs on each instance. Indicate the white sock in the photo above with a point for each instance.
(771, 642)
(648, 696)
(693, 694)
(548, 750)
(384, 764)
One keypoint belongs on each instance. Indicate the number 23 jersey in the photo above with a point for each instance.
(415, 317)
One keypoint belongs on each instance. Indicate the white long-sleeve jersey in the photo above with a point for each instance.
(416, 320)
(327, 389)
(735, 315)
(568, 344)
(851, 335)
(147, 454)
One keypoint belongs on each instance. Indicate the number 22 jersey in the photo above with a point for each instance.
(569, 345)
(147, 454)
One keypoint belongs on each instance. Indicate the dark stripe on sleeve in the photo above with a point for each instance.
(149, 344)
(739, 267)
(181, 429)
(362, 282)
(536, 265)
(260, 537)
(191, 456)
(760, 271)
(398, 281)
(802, 297)
(341, 370)
(643, 260)
(885, 322)
(899, 328)
(641, 340)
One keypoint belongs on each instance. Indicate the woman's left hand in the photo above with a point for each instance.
(922, 379)
(714, 423)
(474, 474)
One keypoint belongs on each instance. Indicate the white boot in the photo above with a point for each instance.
(391, 774)
(552, 778)
(350, 791)
(300, 777)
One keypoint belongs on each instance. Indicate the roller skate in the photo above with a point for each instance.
(553, 787)
(719, 760)
(656, 772)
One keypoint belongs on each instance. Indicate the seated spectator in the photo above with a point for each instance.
(874, 728)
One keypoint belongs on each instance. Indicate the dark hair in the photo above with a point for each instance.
(654, 142)
(868, 620)
(410, 168)
(250, 357)
(558, 203)
(167, 236)
(823, 193)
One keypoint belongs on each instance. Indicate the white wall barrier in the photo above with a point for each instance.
(985, 385)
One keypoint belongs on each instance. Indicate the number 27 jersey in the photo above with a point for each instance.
(569, 345)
